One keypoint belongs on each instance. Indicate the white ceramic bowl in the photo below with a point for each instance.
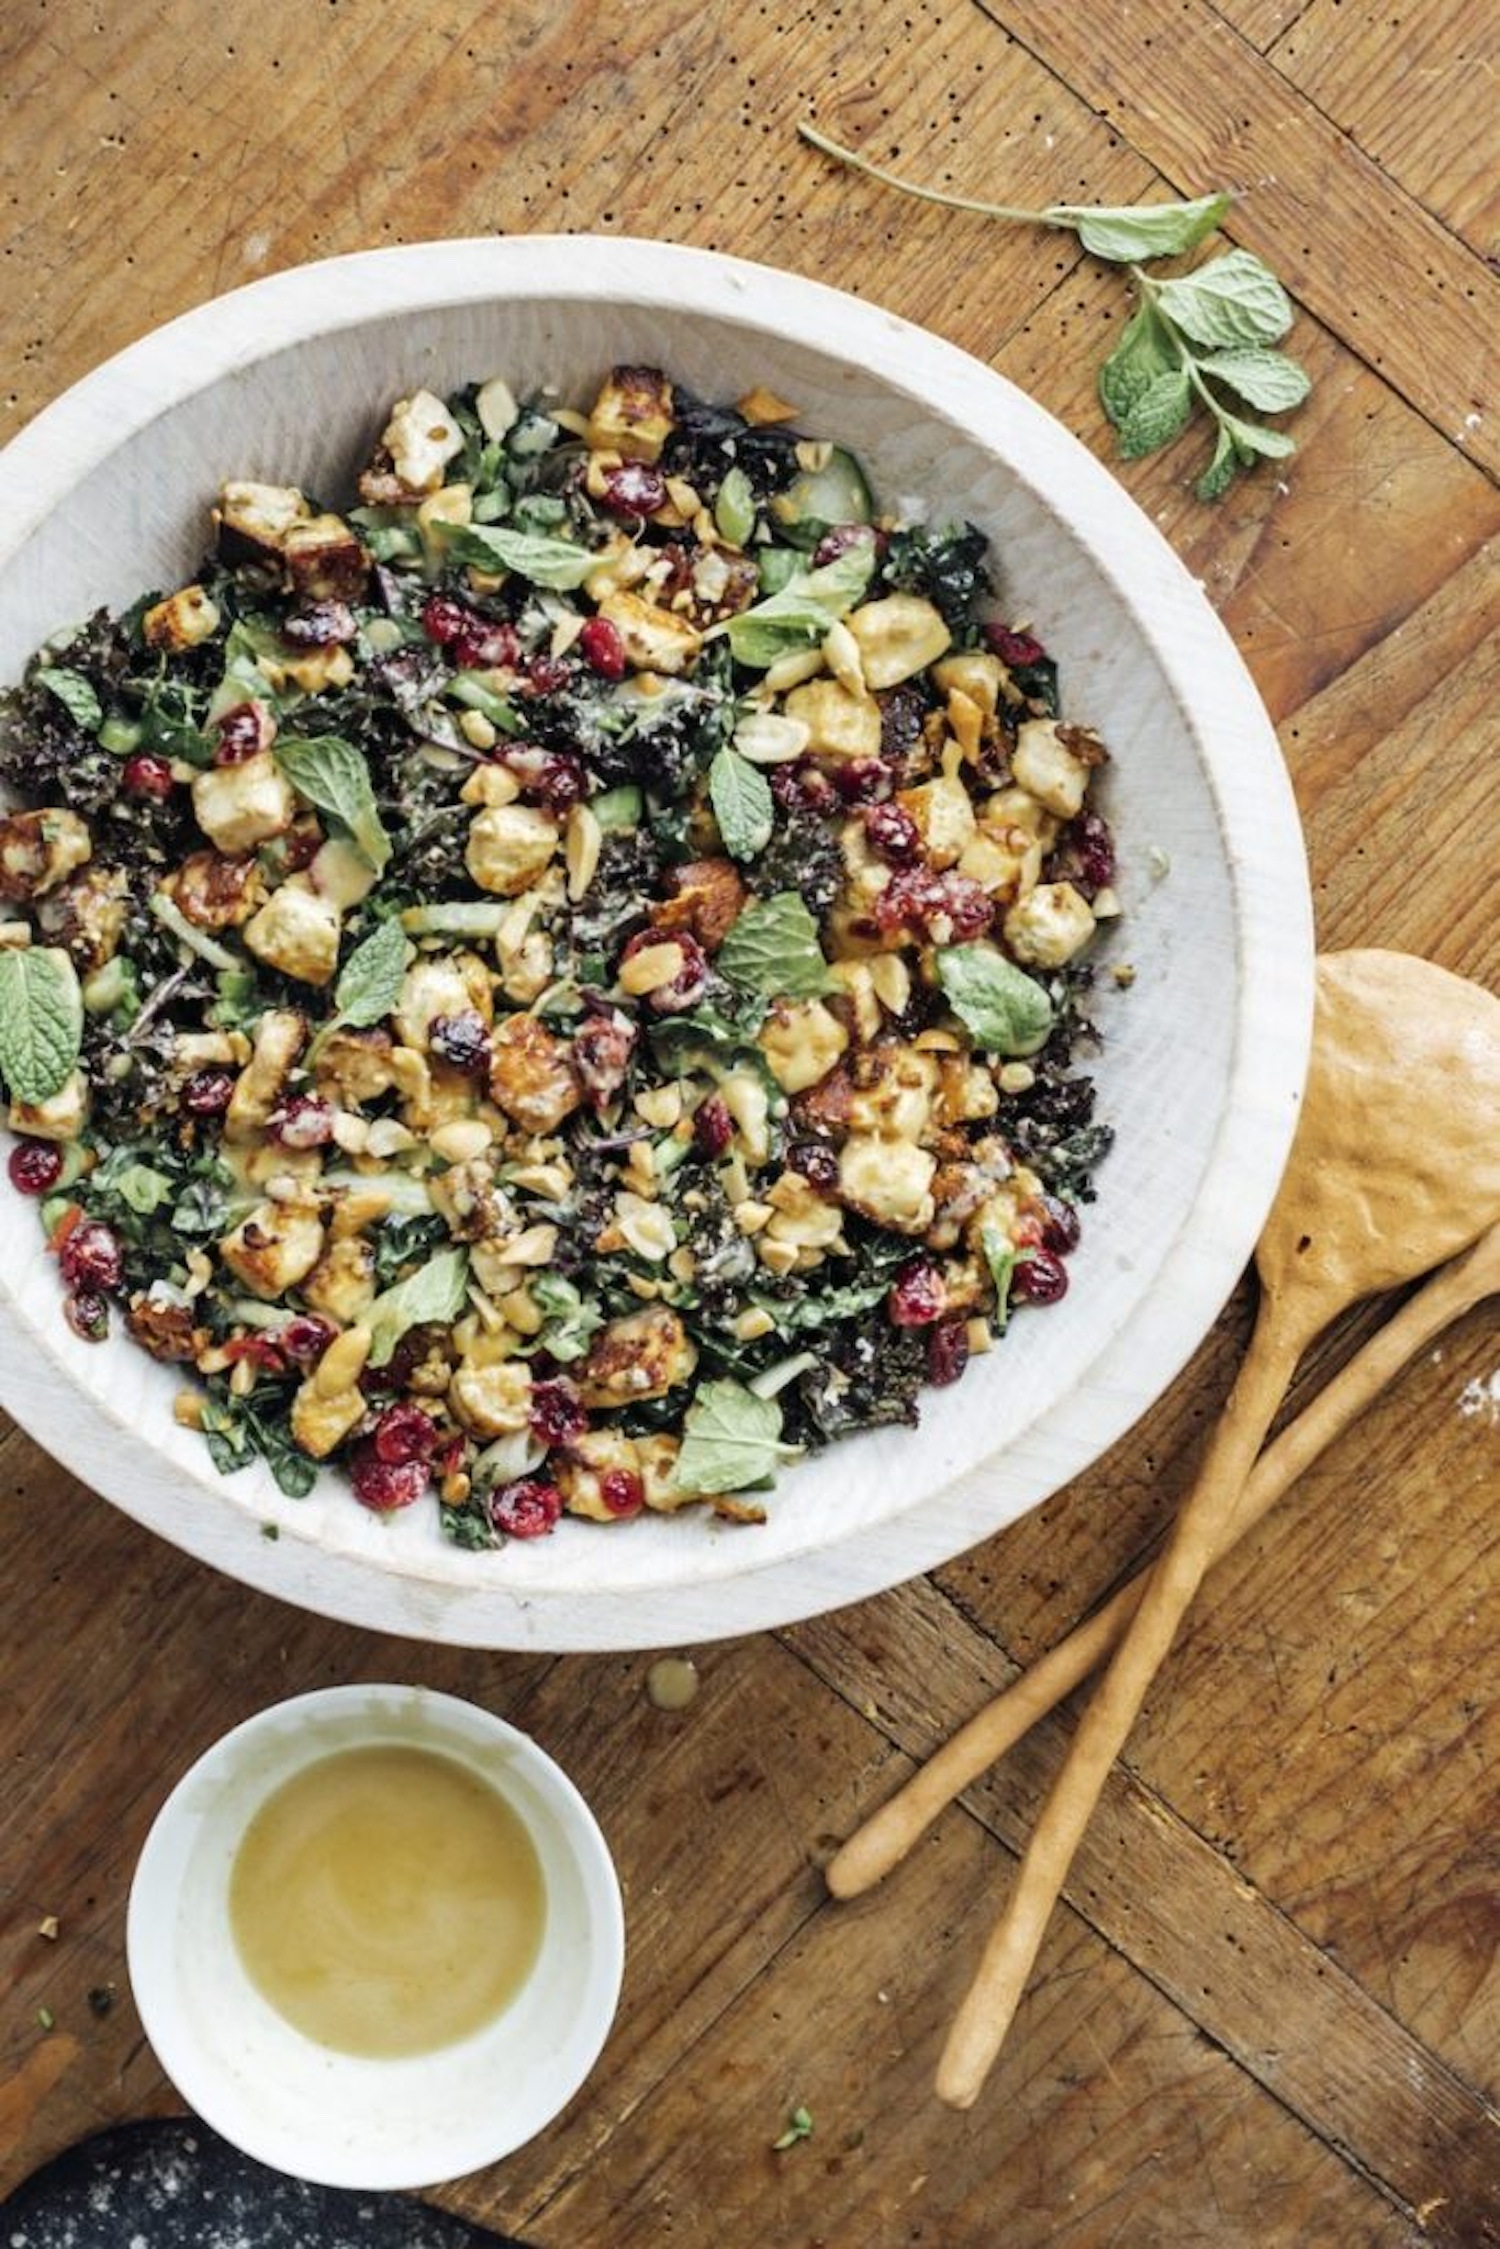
(288, 380)
(336, 2118)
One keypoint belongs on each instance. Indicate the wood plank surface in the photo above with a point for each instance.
(1268, 2013)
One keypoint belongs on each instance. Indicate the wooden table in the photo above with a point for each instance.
(1267, 2014)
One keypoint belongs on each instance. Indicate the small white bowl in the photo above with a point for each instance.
(334, 2118)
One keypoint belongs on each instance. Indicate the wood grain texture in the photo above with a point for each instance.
(1270, 2011)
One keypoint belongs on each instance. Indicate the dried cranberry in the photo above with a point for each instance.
(686, 988)
(528, 1508)
(208, 1093)
(947, 1352)
(799, 786)
(487, 644)
(321, 624)
(1060, 1225)
(634, 488)
(35, 1167)
(302, 1121)
(918, 1296)
(839, 538)
(385, 1485)
(601, 1051)
(860, 780)
(148, 776)
(402, 1434)
(1095, 847)
(546, 674)
(917, 899)
(602, 648)
(1040, 1278)
(90, 1258)
(713, 1127)
(558, 1414)
(553, 775)
(893, 833)
(817, 1164)
(1012, 647)
(243, 733)
(622, 1491)
(443, 618)
(87, 1315)
(263, 1351)
(304, 1339)
(462, 1041)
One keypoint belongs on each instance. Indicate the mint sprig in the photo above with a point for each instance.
(1193, 337)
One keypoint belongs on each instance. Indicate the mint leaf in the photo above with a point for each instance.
(1219, 475)
(334, 777)
(773, 949)
(803, 612)
(1250, 440)
(74, 692)
(1003, 1010)
(370, 980)
(1141, 230)
(731, 1440)
(1267, 379)
(558, 563)
(1002, 1257)
(436, 1291)
(1158, 414)
(1144, 351)
(41, 1022)
(743, 804)
(1235, 299)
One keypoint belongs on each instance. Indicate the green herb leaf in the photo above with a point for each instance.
(1004, 1010)
(743, 804)
(559, 563)
(436, 1291)
(139, 1186)
(1234, 299)
(1145, 351)
(773, 949)
(1002, 1257)
(74, 692)
(731, 1440)
(41, 1021)
(334, 777)
(1141, 230)
(1267, 379)
(370, 980)
(571, 1321)
(1251, 441)
(803, 612)
(1158, 414)
(799, 2126)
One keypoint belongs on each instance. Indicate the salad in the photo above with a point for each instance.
(555, 986)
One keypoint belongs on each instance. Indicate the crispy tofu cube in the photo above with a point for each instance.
(632, 414)
(898, 637)
(341, 871)
(441, 984)
(893, 1092)
(214, 892)
(656, 1465)
(944, 814)
(421, 438)
(492, 1401)
(316, 670)
(531, 1077)
(342, 1283)
(87, 915)
(656, 640)
(184, 620)
(325, 560)
(801, 1040)
(279, 1039)
(801, 1216)
(60, 1117)
(976, 673)
(240, 806)
(580, 1474)
(889, 1181)
(509, 846)
(838, 724)
(1047, 769)
(40, 849)
(354, 1067)
(966, 1091)
(643, 1355)
(274, 1248)
(297, 932)
(320, 1423)
(253, 519)
(1049, 926)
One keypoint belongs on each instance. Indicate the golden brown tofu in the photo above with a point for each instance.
(38, 850)
(633, 414)
(643, 1355)
(531, 1077)
(215, 892)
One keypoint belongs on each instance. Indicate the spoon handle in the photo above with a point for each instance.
(889, 1834)
(985, 2015)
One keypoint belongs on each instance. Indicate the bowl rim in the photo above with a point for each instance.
(308, 1726)
(1253, 797)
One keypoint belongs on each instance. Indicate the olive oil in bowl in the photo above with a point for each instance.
(387, 1901)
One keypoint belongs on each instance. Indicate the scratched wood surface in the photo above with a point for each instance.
(1268, 2012)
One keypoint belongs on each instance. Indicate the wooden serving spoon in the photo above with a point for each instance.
(886, 1837)
(1395, 1167)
